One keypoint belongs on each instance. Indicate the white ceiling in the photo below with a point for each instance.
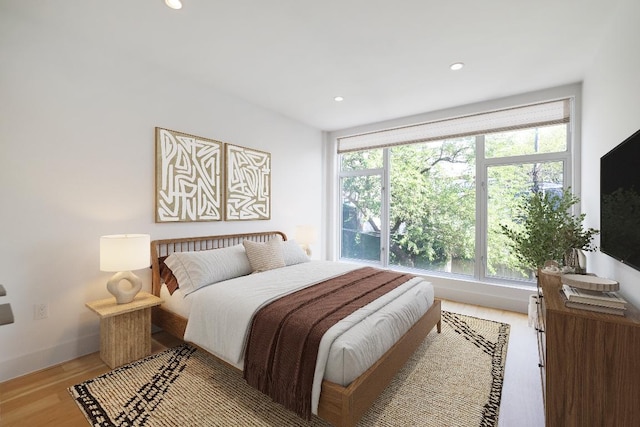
(388, 59)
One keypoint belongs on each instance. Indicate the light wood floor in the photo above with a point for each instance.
(521, 404)
(42, 399)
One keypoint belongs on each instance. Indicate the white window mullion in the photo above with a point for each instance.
(385, 210)
(481, 210)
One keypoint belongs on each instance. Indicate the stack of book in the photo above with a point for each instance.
(602, 302)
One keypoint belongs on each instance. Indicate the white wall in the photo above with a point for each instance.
(77, 161)
(611, 113)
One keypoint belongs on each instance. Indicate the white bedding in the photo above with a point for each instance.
(176, 303)
(220, 317)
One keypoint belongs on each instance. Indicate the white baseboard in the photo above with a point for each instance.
(502, 297)
(49, 357)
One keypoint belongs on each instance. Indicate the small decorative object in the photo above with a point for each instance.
(551, 267)
(548, 231)
(576, 260)
(188, 177)
(591, 283)
(305, 235)
(248, 184)
(122, 253)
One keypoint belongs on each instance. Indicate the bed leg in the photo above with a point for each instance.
(439, 326)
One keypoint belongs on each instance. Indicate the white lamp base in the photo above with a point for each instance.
(307, 249)
(122, 294)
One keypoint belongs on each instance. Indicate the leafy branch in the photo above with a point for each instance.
(546, 229)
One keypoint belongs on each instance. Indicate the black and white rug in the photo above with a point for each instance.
(453, 379)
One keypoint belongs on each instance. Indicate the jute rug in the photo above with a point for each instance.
(453, 379)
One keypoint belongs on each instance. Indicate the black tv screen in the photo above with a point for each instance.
(620, 202)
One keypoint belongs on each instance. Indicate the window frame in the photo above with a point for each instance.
(483, 164)
(568, 157)
(384, 208)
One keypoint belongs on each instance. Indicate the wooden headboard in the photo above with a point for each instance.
(163, 248)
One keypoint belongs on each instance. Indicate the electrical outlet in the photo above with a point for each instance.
(41, 311)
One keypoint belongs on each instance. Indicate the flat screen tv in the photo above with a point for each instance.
(620, 202)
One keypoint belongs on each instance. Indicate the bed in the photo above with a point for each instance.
(340, 402)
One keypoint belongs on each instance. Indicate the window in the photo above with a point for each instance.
(361, 216)
(432, 206)
(361, 185)
(436, 203)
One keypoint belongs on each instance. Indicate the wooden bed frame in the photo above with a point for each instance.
(340, 406)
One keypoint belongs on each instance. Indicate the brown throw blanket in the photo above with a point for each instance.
(282, 349)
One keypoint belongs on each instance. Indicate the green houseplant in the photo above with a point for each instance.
(546, 230)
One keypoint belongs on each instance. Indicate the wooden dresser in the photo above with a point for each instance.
(590, 362)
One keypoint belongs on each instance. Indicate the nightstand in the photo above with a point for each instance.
(125, 329)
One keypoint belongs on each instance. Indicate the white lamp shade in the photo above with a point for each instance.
(305, 234)
(125, 252)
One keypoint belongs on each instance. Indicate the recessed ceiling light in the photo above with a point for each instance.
(456, 66)
(173, 4)
(338, 99)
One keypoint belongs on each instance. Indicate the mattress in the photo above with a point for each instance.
(219, 318)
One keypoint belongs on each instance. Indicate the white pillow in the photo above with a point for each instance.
(193, 270)
(293, 253)
(265, 256)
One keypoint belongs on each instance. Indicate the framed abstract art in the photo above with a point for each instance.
(247, 184)
(189, 182)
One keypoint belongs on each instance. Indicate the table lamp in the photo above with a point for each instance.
(306, 235)
(122, 253)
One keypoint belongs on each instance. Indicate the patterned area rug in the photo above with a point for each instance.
(453, 379)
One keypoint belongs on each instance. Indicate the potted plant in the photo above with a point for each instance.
(545, 230)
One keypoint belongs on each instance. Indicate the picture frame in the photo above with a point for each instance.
(247, 184)
(189, 181)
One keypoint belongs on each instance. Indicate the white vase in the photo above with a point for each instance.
(576, 259)
(582, 261)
